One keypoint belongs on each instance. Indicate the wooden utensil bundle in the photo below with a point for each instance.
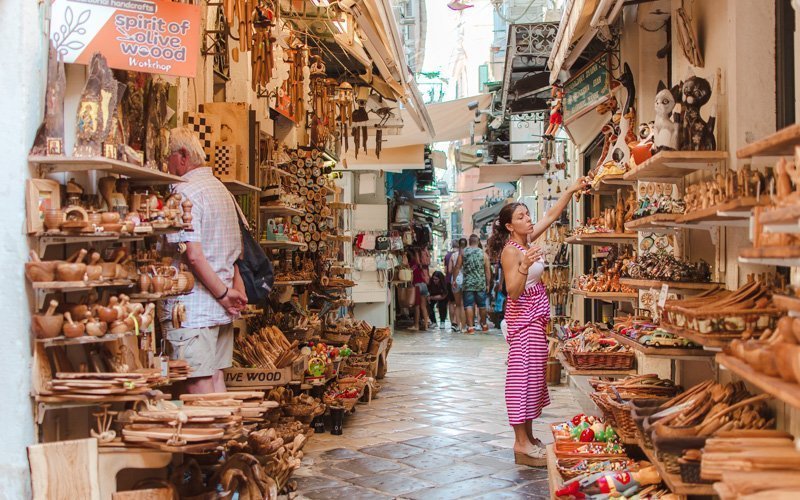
(267, 349)
(748, 454)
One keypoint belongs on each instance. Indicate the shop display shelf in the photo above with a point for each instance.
(72, 164)
(48, 239)
(709, 342)
(602, 239)
(672, 166)
(781, 220)
(673, 285)
(337, 237)
(771, 256)
(240, 188)
(86, 339)
(653, 223)
(293, 282)
(281, 245)
(661, 352)
(732, 213)
(280, 210)
(673, 481)
(785, 391)
(575, 372)
(338, 205)
(600, 255)
(791, 304)
(780, 143)
(75, 286)
(554, 479)
(607, 296)
(610, 184)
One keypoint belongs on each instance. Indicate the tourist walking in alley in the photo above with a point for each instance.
(477, 279)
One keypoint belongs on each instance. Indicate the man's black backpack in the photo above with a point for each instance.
(254, 266)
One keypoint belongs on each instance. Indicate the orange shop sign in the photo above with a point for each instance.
(154, 36)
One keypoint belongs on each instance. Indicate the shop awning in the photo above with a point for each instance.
(392, 159)
(452, 121)
(486, 215)
(508, 172)
(581, 21)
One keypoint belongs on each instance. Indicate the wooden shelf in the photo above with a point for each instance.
(738, 209)
(609, 184)
(240, 188)
(673, 285)
(571, 370)
(781, 220)
(292, 282)
(281, 245)
(86, 339)
(78, 285)
(710, 342)
(791, 304)
(73, 164)
(602, 239)
(653, 222)
(671, 166)
(771, 256)
(781, 143)
(674, 482)
(280, 210)
(785, 391)
(338, 205)
(660, 352)
(606, 296)
(600, 255)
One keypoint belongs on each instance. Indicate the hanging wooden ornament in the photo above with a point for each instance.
(687, 37)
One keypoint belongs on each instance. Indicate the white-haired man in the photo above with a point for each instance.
(205, 338)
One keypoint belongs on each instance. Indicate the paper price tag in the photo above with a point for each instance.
(662, 296)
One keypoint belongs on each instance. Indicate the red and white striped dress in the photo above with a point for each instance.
(526, 320)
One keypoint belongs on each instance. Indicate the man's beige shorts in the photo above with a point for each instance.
(205, 349)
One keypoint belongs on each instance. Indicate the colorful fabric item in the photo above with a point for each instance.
(474, 270)
(526, 376)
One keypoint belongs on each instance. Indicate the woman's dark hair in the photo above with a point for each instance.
(462, 243)
(500, 233)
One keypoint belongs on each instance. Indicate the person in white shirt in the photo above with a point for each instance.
(205, 339)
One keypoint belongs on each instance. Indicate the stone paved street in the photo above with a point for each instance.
(437, 430)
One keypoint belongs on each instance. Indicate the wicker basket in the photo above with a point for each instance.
(567, 449)
(566, 465)
(669, 461)
(336, 337)
(690, 472)
(602, 360)
(347, 403)
(602, 401)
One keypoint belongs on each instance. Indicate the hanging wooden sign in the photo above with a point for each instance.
(152, 36)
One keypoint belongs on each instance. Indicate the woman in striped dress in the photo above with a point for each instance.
(527, 313)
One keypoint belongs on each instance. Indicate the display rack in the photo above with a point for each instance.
(661, 352)
(673, 481)
(673, 285)
(671, 166)
(239, 188)
(606, 296)
(715, 342)
(780, 143)
(280, 210)
(281, 245)
(52, 164)
(610, 183)
(785, 391)
(602, 239)
(653, 223)
(86, 339)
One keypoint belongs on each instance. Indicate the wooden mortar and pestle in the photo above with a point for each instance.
(94, 270)
(110, 269)
(49, 324)
(72, 329)
(37, 270)
(73, 269)
(95, 327)
(147, 316)
(107, 313)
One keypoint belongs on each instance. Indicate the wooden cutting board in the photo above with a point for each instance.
(64, 470)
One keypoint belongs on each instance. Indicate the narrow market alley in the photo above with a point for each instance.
(437, 430)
